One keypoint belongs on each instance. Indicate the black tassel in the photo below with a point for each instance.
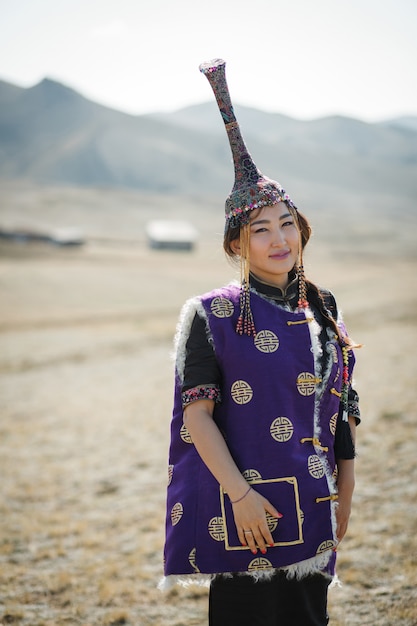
(344, 447)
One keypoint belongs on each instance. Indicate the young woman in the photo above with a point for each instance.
(261, 470)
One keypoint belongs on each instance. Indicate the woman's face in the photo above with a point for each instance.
(273, 244)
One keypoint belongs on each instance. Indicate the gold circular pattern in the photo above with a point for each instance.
(241, 392)
(185, 435)
(271, 521)
(216, 528)
(266, 341)
(306, 383)
(259, 563)
(329, 544)
(170, 473)
(251, 475)
(222, 307)
(281, 429)
(332, 424)
(192, 562)
(315, 468)
(177, 512)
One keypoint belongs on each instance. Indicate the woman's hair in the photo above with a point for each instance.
(314, 294)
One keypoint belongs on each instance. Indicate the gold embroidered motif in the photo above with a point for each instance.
(259, 563)
(216, 528)
(266, 341)
(332, 424)
(281, 429)
(241, 392)
(177, 512)
(222, 307)
(306, 383)
(325, 545)
(271, 521)
(315, 468)
(170, 473)
(251, 475)
(185, 435)
(192, 561)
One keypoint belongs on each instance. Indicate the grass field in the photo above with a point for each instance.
(85, 399)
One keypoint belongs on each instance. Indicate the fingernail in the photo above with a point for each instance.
(254, 551)
(280, 515)
(263, 551)
(271, 545)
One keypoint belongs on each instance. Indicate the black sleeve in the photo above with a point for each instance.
(201, 367)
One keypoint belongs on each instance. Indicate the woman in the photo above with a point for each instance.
(262, 436)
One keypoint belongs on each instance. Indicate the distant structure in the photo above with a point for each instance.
(56, 237)
(171, 235)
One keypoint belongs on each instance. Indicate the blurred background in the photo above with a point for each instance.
(114, 168)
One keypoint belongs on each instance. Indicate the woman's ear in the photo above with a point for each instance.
(235, 246)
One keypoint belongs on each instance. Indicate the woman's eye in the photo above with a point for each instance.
(288, 223)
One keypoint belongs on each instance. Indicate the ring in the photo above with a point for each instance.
(248, 531)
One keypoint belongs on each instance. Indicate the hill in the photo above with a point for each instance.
(50, 134)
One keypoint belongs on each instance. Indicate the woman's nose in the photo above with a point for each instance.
(279, 237)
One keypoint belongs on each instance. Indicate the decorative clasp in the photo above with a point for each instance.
(315, 442)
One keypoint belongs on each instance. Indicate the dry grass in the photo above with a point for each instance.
(86, 383)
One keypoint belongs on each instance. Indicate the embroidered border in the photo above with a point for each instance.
(202, 392)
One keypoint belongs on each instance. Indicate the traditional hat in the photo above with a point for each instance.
(251, 189)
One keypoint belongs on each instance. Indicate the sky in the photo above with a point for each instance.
(303, 58)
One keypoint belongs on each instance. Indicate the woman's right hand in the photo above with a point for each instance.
(251, 523)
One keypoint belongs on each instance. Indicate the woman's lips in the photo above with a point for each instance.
(280, 255)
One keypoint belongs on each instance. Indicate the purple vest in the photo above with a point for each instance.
(278, 415)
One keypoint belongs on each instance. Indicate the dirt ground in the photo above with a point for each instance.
(85, 400)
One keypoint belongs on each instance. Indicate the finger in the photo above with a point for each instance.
(269, 508)
(267, 539)
(263, 538)
(249, 540)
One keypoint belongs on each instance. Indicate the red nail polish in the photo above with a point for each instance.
(263, 551)
(254, 551)
(280, 515)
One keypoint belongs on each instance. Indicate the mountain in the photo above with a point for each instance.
(51, 134)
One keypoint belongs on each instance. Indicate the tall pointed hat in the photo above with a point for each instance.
(251, 189)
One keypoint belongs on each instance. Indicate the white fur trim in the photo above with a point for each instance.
(315, 565)
(188, 311)
(309, 566)
(315, 330)
(185, 580)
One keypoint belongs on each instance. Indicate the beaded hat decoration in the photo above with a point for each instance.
(251, 190)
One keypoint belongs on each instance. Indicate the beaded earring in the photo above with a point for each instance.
(302, 285)
(245, 324)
